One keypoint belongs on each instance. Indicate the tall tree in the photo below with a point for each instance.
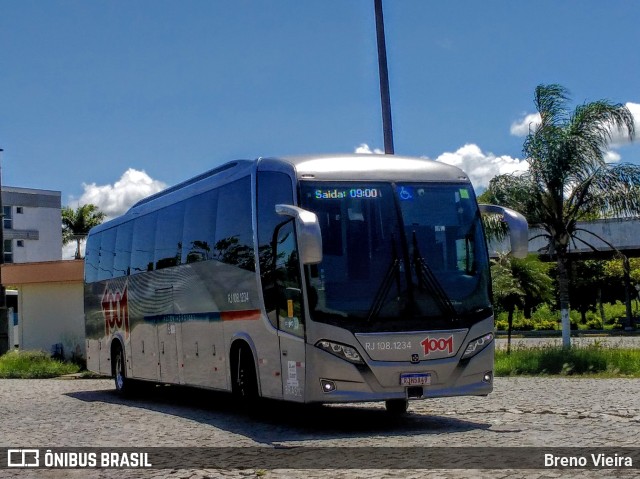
(568, 179)
(519, 283)
(77, 223)
(586, 285)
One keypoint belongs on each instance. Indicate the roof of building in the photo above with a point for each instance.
(15, 196)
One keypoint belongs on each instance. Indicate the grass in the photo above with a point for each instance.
(594, 361)
(33, 365)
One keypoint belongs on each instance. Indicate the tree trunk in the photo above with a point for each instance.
(563, 293)
(509, 328)
(603, 316)
(626, 266)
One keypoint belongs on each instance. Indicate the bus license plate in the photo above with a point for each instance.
(415, 379)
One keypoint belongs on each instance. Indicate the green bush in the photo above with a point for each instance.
(616, 310)
(522, 324)
(594, 323)
(544, 313)
(546, 319)
(33, 365)
(545, 325)
(541, 319)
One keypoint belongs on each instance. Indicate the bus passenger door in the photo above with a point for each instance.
(290, 313)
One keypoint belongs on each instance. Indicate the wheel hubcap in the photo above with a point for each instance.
(119, 375)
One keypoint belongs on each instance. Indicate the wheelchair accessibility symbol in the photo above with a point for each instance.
(405, 193)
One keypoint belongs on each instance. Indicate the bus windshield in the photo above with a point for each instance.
(397, 256)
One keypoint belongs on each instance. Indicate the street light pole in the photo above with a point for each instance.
(385, 97)
(4, 321)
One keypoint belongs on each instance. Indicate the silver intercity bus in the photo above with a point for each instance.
(310, 279)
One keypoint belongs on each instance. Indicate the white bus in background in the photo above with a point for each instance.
(311, 279)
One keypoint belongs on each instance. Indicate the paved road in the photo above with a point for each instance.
(537, 412)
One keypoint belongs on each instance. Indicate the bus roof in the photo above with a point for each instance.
(337, 167)
(368, 167)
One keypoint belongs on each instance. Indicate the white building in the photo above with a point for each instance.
(46, 301)
(32, 225)
(50, 305)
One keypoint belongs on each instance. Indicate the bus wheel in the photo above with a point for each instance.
(245, 380)
(119, 371)
(396, 406)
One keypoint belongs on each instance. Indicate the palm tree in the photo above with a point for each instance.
(77, 223)
(519, 283)
(568, 179)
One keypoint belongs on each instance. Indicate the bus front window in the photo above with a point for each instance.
(396, 255)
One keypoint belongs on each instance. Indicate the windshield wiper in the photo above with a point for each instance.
(393, 272)
(427, 280)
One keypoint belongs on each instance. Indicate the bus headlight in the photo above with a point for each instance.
(477, 345)
(343, 351)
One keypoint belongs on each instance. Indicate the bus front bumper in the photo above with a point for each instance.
(332, 379)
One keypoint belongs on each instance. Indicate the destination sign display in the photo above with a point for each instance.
(343, 193)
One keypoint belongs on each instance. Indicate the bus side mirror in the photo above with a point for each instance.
(308, 233)
(518, 228)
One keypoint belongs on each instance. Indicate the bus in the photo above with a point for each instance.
(313, 279)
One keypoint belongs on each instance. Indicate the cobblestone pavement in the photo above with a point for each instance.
(522, 412)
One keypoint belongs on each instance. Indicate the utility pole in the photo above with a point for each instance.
(4, 320)
(385, 98)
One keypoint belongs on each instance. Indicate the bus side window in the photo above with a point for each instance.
(92, 258)
(272, 188)
(234, 229)
(199, 227)
(168, 250)
(107, 253)
(143, 244)
(290, 312)
(122, 261)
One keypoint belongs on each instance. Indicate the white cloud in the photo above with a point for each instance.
(612, 156)
(618, 137)
(482, 167)
(635, 111)
(116, 199)
(479, 166)
(364, 148)
(621, 137)
(523, 126)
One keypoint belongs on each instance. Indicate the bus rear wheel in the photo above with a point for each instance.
(396, 406)
(122, 383)
(245, 380)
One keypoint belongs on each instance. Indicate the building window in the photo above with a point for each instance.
(20, 243)
(19, 210)
(8, 251)
(8, 218)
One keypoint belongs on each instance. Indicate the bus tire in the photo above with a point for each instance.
(122, 383)
(245, 380)
(396, 406)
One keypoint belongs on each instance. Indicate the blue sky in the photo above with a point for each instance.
(110, 100)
